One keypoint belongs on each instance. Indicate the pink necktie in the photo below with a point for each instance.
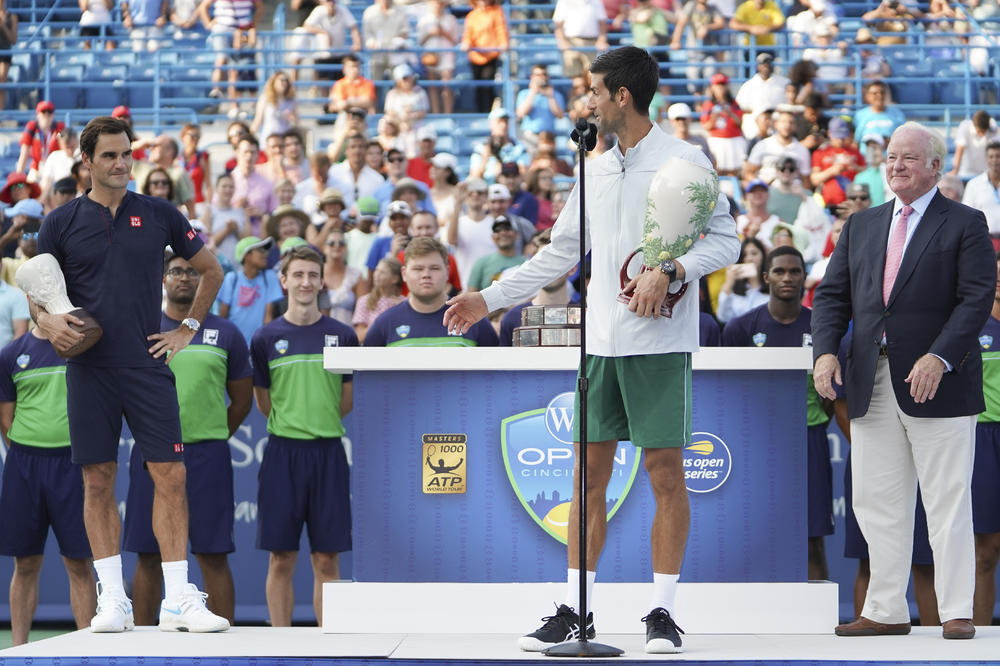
(894, 256)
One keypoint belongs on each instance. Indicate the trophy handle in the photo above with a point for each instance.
(667, 309)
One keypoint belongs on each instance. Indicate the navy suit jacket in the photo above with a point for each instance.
(939, 303)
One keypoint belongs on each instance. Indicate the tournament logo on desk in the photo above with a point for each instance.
(537, 448)
(707, 463)
(444, 463)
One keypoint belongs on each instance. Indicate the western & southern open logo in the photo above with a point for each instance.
(537, 448)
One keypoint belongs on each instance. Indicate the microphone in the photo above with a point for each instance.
(585, 134)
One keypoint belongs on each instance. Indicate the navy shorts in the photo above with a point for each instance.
(855, 545)
(209, 495)
(98, 397)
(41, 488)
(304, 482)
(986, 479)
(820, 481)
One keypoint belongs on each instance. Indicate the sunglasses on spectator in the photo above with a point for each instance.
(18, 186)
(48, 111)
(396, 159)
(29, 235)
(340, 243)
(180, 272)
(859, 197)
(788, 169)
(158, 183)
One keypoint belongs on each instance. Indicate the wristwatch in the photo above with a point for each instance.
(669, 268)
(194, 324)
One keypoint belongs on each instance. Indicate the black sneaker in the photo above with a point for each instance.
(559, 628)
(662, 633)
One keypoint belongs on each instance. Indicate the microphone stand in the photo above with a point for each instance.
(585, 135)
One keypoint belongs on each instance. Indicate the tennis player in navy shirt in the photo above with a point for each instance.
(110, 245)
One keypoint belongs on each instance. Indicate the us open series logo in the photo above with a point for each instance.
(707, 463)
(444, 463)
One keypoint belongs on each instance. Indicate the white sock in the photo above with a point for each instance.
(175, 578)
(573, 589)
(109, 573)
(664, 590)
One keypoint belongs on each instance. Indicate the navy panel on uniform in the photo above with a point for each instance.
(114, 269)
(98, 398)
(41, 488)
(210, 501)
(304, 482)
(986, 479)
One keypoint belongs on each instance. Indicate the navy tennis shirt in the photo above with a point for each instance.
(114, 269)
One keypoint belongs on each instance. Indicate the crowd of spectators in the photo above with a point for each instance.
(789, 161)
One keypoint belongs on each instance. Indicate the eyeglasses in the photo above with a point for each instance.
(397, 159)
(48, 111)
(18, 186)
(159, 183)
(336, 243)
(29, 235)
(181, 272)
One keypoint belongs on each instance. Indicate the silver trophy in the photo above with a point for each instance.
(42, 280)
(679, 205)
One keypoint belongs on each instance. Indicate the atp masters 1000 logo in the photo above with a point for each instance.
(537, 450)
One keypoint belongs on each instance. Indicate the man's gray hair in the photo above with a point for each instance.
(936, 145)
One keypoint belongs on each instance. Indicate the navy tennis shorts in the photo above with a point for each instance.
(985, 476)
(304, 482)
(820, 478)
(98, 397)
(855, 545)
(41, 488)
(209, 495)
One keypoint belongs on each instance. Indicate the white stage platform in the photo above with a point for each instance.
(513, 608)
(924, 644)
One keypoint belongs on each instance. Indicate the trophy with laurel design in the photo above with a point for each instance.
(679, 205)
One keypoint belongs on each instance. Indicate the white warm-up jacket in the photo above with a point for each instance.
(616, 192)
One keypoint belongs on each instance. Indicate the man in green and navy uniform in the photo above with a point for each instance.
(784, 322)
(986, 472)
(419, 320)
(216, 363)
(304, 477)
(41, 486)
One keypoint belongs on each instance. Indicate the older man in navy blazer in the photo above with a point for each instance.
(918, 276)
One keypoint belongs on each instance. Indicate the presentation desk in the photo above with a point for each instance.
(462, 467)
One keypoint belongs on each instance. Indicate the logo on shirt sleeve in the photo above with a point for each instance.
(281, 346)
(135, 221)
(985, 341)
(191, 234)
(759, 339)
(211, 336)
(23, 360)
(403, 330)
(331, 341)
(807, 340)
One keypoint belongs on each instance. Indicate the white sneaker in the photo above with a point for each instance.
(114, 612)
(189, 613)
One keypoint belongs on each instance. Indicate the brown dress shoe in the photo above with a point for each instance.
(865, 627)
(959, 628)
